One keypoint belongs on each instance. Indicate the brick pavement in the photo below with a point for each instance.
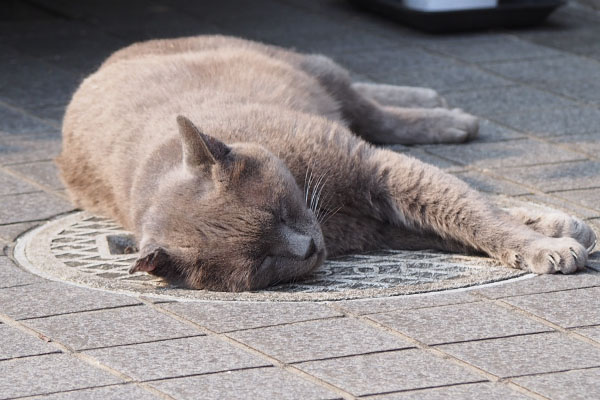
(539, 92)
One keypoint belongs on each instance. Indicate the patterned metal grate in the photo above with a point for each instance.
(94, 251)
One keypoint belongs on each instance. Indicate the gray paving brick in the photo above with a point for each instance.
(572, 76)
(13, 122)
(11, 275)
(481, 49)
(10, 232)
(47, 374)
(492, 132)
(114, 392)
(113, 327)
(12, 185)
(28, 148)
(560, 204)
(565, 176)
(524, 355)
(492, 103)
(432, 159)
(44, 172)
(31, 207)
(314, 339)
(259, 383)
(569, 385)
(592, 332)
(567, 120)
(571, 308)
(19, 344)
(459, 322)
(387, 304)
(487, 184)
(587, 197)
(503, 154)
(541, 284)
(388, 372)
(51, 298)
(472, 391)
(176, 358)
(588, 144)
(230, 316)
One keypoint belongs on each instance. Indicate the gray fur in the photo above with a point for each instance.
(281, 172)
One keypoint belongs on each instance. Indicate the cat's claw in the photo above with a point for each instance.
(574, 254)
(553, 261)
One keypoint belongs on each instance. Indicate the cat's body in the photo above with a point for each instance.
(231, 213)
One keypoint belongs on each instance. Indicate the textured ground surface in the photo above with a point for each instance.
(539, 92)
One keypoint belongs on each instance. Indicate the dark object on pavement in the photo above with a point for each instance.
(507, 14)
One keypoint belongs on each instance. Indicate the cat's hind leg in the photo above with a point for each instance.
(400, 96)
(387, 124)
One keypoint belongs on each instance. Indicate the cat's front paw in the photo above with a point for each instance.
(551, 255)
(455, 126)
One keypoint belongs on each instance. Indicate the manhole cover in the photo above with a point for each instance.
(95, 252)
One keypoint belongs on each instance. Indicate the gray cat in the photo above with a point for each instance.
(240, 165)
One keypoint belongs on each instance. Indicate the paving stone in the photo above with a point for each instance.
(30, 83)
(257, 383)
(416, 67)
(492, 132)
(47, 374)
(13, 122)
(31, 207)
(231, 316)
(432, 159)
(44, 172)
(11, 275)
(387, 304)
(504, 154)
(112, 327)
(487, 184)
(387, 372)
(52, 298)
(115, 392)
(176, 358)
(541, 284)
(561, 204)
(10, 232)
(572, 76)
(12, 185)
(589, 144)
(320, 339)
(557, 177)
(28, 148)
(567, 120)
(458, 323)
(568, 309)
(472, 391)
(524, 355)
(569, 385)
(480, 49)
(593, 332)
(587, 197)
(19, 344)
(492, 103)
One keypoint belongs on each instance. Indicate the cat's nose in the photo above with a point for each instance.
(297, 245)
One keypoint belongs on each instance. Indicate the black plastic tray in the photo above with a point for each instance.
(508, 14)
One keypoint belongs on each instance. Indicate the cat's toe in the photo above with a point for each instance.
(460, 127)
(551, 255)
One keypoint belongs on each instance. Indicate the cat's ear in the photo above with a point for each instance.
(151, 257)
(199, 150)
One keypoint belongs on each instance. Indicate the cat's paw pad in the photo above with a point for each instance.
(559, 224)
(551, 255)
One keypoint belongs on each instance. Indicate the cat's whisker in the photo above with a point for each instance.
(315, 192)
(319, 196)
(330, 214)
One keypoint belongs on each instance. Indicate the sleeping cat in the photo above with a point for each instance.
(240, 165)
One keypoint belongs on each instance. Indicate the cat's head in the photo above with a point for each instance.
(228, 218)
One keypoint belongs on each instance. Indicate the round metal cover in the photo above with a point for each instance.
(95, 252)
